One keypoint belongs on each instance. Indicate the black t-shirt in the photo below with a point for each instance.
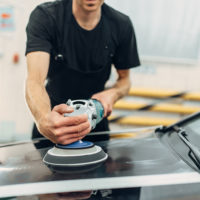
(42, 35)
(83, 45)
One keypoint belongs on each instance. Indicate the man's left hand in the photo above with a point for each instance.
(107, 99)
(110, 96)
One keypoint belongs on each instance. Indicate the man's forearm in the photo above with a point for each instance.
(121, 88)
(37, 100)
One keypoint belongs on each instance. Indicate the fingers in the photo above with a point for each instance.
(70, 138)
(68, 134)
(63, 108)
(69, 121)
(107, 109)
(72, 129)
(102, 103)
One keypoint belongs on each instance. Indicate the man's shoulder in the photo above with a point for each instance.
(51, 4)
(53, 7)
(115, 15)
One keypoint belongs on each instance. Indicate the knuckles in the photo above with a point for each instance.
(59, 141)
(76, 121)
(55, 124)
(57, 132)
(60, 106)
(56, 107)
(84, 126)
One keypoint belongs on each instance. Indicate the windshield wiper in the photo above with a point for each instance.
(194, 152)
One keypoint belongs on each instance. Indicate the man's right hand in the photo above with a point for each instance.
(64, 130)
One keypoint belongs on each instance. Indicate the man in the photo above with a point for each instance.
(71, 45)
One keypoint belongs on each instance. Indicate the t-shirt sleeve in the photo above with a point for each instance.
(39, 32)
(126, 55)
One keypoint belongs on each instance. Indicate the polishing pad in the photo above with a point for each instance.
(74, 157)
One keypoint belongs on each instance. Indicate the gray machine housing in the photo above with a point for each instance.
(88, 107)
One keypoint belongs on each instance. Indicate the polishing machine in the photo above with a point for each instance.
(80, 153)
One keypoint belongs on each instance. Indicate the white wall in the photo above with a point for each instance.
(168, 38)
(164, 28)
(15, 119)
(179, 77)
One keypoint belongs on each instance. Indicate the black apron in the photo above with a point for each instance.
(65, 82)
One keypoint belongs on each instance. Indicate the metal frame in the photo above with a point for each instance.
(98, 183)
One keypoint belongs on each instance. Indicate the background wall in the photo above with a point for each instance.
(15, 119)
(168, 41)
(168, 36)
(165, 29)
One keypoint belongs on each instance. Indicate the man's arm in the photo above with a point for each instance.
(125, 57)
(110, 96)
(51, 123)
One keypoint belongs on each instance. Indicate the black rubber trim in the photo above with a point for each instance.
(181, 122)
